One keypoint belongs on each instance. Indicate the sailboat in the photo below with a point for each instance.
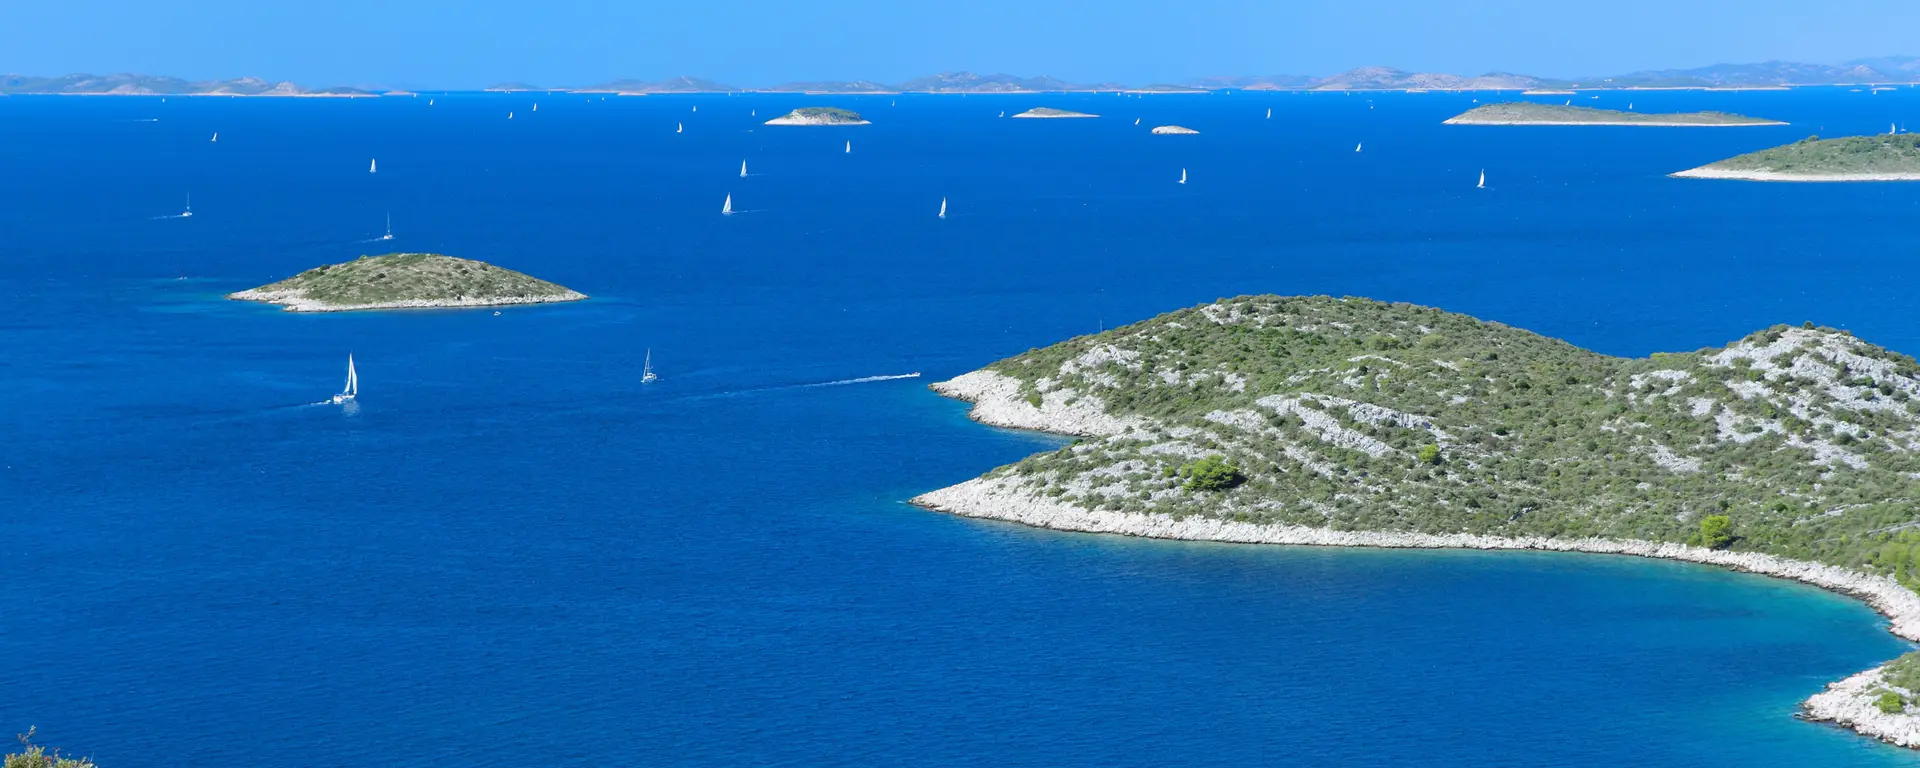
(1483, 179)
(1003, 113)
(1269, 113)
(1183, 175)
(943, 207)
(696, 107)
(389, 234)
(509, 115)
(188, 213)
(1356, 147)
(536, 107)
(743, 169)
(1136, 121)
(429, 102)
(353, 385)
(647, 376)
(753, 113)
(849, 147)
(1891, 129)
(677, 127)
(726, 208)
(216, 137)
(1629, 105)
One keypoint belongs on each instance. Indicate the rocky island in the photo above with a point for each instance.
(406, 281)
(1172, 130)
(1887, 157)
(1529, 113)
(1049, 112)
(820, 116)
(1793, 452)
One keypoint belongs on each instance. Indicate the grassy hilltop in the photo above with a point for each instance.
(406, 280)
(1358, 415)
(1526, 112)
(1852, 155)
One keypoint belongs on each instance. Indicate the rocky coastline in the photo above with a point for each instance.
(296, 301)
(997, 401)
(1721, 173)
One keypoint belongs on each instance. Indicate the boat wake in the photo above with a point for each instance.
(809, 385)
(863, 380)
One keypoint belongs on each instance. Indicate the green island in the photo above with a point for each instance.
(1793, 452)
(1530, 113)
(1886, 157)
(820, 116)
(1049, 112)
(406, 281)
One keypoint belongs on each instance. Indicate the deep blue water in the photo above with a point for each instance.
(510, 552)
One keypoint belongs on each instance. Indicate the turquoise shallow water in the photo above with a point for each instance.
(511, 548)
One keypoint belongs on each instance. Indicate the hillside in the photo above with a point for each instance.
(151, 85)
(406, 280)
(1529, 113)
(820, 116)
(1887, 157)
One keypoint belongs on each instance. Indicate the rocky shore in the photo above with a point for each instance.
(1719, 173)
(1165, 130)
(998, 401)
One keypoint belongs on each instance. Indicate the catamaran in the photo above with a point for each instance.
(743, 169)
(1483, 179)
(1183, 175)
(353, 385)
(726, 208)
(647, 376)
(373, 166)
(943, 207)
(389, 234)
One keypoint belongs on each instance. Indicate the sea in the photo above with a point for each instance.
(511, 551)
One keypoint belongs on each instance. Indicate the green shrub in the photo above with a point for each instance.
(1212, 473)
(1429, 454)
(31, 756)
(1716, 531)
(1891, 703)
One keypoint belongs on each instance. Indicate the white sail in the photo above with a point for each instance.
(373, 166)
(696, 107)
(1483, 179)
(509, 115)
(429, 102)
(1356, 147)
(646, 368)
(1891, 129)
(389, 235)
(216, 137)
(353, 378)
(536, 107)
(743, 169)
(1183, 175)
(943, 207)
(726, 208)
(1136, 121)
(1269, 113)
(849, 147)
(189, 211)
(678, 127)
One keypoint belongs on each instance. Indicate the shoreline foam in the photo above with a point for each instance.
(997, 401)
(1705, 172)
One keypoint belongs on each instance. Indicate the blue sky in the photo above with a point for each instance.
(441, 43)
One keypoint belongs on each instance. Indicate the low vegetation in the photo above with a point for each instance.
(402, 277)
(34, 756)
(1359, 415)
(1522, 112)
(1814, 156)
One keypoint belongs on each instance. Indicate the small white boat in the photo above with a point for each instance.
(1269, 113)
(696, 107)
(1483, 180)
(1629, 105)
(429, 102)
(389, 234)
(726, 208)
(1891, 129)
(943, 207)
(849, 147)
(647, 376)
(1356, 147)
(216, 137)
(1136, 121)
(1183, 175)
(188, 213)
(536, 107)
(1003, 113)
(509, 115)
(743, 169)
(353, 385)
(373, 166)
(678, 127)
(753, 113)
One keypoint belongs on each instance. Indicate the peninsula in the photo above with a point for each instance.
(406, 281)
(1173, 130)
(1793, 452)
(1529, 113)
(1887, 157)
(820, 116)
(1049, 112)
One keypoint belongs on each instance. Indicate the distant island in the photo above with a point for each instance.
(1529, 113)
(151, 85)
(1165, 130)
(820, 116)
(1793, 452)
(406, 281)
(1049, 112)
(1887, 157)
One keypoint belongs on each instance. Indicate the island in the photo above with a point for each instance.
(1172, 130)
(820, 116)
(1887, 157)
(1793, 452)
(1529, 113)
(406, 281)
(1049, 112)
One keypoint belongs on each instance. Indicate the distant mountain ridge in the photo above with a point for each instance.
(1883, 70)
(143, 85)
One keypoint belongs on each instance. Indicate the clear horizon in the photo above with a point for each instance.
(439, 43)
